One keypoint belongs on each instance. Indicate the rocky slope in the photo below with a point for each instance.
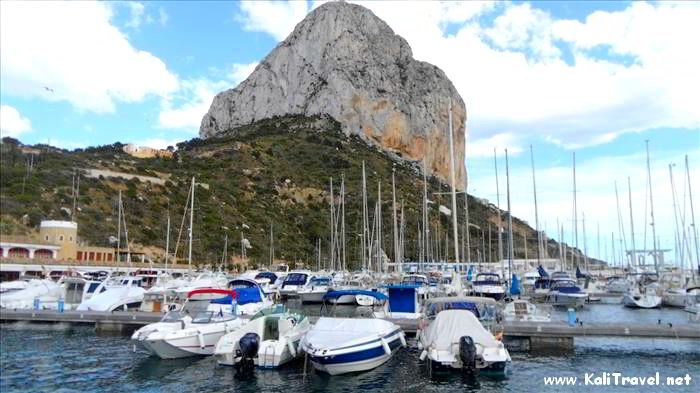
(344, 61)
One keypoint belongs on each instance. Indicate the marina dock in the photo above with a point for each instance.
(524, 336)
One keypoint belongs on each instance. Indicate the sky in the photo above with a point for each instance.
(594, 79)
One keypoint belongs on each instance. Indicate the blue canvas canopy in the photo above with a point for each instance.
(354, 292)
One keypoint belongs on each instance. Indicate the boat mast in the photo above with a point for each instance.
(633, 253)
(342, 215)
(692, 218)
(537, 220)
(510, 224)
(119, 225)
(651, 209)
(189, 253)
(621, 226)
(426, 230)
(365, 245)
(331, 253)
(498, 209)
(393, 213)
(575, 214)
(679, 245)
(167, 242)
(455, 235)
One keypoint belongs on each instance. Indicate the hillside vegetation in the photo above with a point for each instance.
(272, 173)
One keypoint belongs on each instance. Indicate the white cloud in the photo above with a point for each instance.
(137, 13)
(483, 148)
(163, 16)
(12, 123)
(74, 49)
(185, 108)
(277, 18)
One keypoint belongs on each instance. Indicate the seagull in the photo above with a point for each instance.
(48, 89)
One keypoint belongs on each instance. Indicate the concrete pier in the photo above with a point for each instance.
(527, 336)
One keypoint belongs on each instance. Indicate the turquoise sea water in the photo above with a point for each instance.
(47, 358)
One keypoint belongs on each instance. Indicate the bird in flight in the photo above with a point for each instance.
(48, 89)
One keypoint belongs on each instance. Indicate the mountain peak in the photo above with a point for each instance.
(344, 61)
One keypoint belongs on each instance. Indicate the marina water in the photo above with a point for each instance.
(41, 358)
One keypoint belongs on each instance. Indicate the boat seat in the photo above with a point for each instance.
(284, 325)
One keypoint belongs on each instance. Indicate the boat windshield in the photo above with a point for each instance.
(212, 317)
(414, 280)
(563, 284)
(173, 316)
(487, 279)
(484, 312)
(320, 281)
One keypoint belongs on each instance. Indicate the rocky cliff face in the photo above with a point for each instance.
(342, 60)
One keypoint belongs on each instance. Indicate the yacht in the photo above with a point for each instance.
(294, 281)
(270, 340)
(36, 294)
(314, 291)
(564, 292)
(522, 310)
(488, 285)
(116, 293)
(249, 297)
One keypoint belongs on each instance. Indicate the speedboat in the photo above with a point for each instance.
(345, 345)
(565, 293)
(488, 285)
(171, 321)
(266, 280)
(199, 337)
(453, 338)
(294, 281)
(249, 297)
(522, 310)
(314, 291)
(529, 279)
(116, 293)
(271, 339)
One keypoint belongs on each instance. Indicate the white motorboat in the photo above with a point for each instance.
(266, 280)
(116, 293)
(77, 289)
(488, 285)
(314, 291)
(453, 338)
(171, 321)
(522, 310)
(403, 303)
(271, 339)
(565, 293)
(675, 297)
(294, 281)
(38, 293)
(202, 281)
(345, 345)
(12, 286)
(199, 337)
(617, 284)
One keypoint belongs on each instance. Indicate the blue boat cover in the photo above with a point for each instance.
(272, 276)
(243, 296)
(354, 292)
(435, 308)
(515, 285)
(402, 298)
(542, 272)
(295, 279)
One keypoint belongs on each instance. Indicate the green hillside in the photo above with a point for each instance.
(275, 172)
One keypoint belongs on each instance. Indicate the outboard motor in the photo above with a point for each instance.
(467, 353)
(248, 349)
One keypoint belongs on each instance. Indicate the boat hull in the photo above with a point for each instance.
(364, 358)
(641, 301)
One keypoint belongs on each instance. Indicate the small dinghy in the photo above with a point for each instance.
(454, 339)
(346, 345)
(270, 340)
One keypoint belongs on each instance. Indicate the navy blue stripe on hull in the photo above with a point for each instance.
(370, 353)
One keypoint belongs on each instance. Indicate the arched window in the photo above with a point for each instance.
(60, 238)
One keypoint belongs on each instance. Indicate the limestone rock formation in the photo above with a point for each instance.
(342, 60)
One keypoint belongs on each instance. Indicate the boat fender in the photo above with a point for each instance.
(200, 339)
(402, 337)
(292, 350)
(386, 347)
(423, 355)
